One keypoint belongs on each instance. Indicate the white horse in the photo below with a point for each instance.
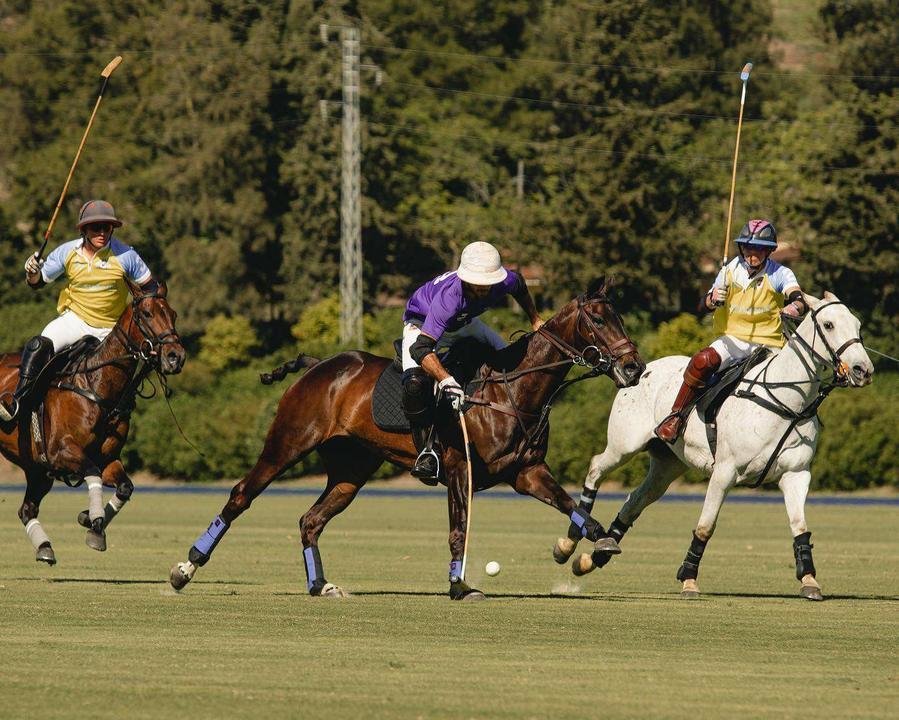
(784, 393)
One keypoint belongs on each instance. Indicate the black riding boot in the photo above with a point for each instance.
(35, 356)
(418, 405)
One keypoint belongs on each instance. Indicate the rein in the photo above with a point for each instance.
(833, 363)
(599, 365)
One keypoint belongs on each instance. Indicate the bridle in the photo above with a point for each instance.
(149, 350)
(832, 361)
(601, 363)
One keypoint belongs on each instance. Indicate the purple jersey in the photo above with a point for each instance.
(440, 306)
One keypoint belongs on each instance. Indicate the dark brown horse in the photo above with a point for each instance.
(329, 409)
(85, 416)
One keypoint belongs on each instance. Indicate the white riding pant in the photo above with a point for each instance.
(68, 328)
(732, 350)
(476, 328)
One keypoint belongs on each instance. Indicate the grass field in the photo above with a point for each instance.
(103, 636)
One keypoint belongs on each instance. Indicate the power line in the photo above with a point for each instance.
(612, 66)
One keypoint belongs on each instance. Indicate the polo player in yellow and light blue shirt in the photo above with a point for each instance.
(97, 266)
(748, 298)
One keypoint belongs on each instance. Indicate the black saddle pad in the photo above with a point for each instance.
(387, 401)
(723, 384)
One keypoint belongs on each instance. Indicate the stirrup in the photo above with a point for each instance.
(420, 472)
(680, 428)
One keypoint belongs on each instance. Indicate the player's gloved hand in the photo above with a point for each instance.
(718, 296)
(453, 392)
(791, 310)
(33, 264)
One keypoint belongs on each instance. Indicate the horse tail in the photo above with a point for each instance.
(279, 373)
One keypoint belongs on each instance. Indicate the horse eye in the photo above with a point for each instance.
(146, 314)
(828, 325)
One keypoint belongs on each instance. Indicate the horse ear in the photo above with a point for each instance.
(163, 288)
(830, 296)
(811, 300)
(597, 286)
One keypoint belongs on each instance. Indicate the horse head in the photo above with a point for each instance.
(149, 326)
(592, 327)
(833, 334)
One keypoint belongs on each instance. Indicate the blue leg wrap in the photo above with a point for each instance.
(455, 570)
(206, 543)
(315, 574)
(579, 520)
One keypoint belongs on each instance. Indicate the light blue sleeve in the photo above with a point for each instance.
(783, 278)
(135, 268)
(55, 264)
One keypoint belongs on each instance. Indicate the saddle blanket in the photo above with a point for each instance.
(387, 401)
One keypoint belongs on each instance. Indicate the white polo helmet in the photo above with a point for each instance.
(481, 265)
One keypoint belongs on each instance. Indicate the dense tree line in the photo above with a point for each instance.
(580, 137)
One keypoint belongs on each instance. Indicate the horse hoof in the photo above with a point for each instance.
(463, 591)
(45, 554)
(84, 519)
(563, 549)
(331, 590)
(607, 545)
(96, 540)
(690, 590)
(809, 592)
(181, 574)
(582, 564)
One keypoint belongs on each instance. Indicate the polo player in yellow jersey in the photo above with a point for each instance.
(96, 266)
(748, 298)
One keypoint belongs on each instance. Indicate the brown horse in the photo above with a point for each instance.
(85, 416)
(329, 409)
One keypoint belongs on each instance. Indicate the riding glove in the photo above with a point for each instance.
(453, 392)
(33, 264)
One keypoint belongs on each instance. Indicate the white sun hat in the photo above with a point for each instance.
(481, 265)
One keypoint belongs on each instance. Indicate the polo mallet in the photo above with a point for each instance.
(744, 76)
(107, 71)
(470, 491)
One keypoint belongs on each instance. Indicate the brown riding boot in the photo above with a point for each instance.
(701, 367)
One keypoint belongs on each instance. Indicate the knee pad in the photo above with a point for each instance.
(418, 395)
(701, 367)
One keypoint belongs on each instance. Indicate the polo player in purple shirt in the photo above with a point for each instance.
(440, 312)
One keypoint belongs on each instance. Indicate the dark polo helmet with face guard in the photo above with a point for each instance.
(97, 211)
(758, 232)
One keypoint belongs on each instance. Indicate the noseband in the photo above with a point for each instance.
(592, 340)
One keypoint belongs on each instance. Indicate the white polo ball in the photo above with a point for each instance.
(492, 568)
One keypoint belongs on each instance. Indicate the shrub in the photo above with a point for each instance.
(227, 342)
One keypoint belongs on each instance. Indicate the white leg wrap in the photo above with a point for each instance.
(94, 497)
(113, 507)
(36, 533)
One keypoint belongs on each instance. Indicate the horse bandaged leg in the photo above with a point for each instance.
(43, 551)
(588, 498)
(802, 551)
(95, 498)
(689, 570)
(315, 573)
(205, 544)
